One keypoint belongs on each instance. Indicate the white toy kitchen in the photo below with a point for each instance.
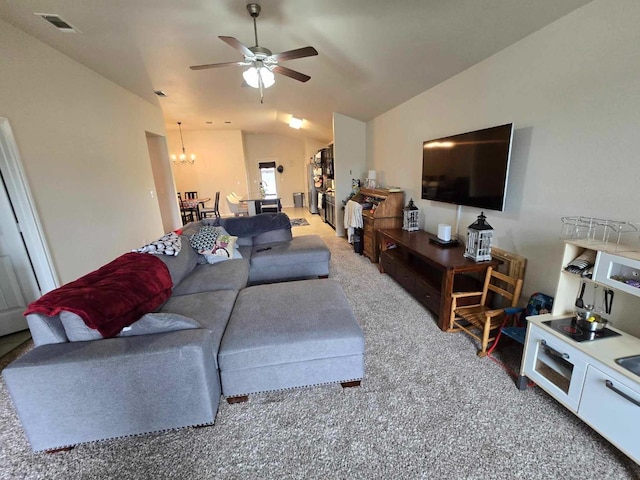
(595, 373)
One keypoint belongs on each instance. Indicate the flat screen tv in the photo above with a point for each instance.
(468, 169)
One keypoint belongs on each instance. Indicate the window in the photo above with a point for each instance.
(268, 178)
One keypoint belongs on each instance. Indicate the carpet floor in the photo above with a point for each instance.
(428, 408)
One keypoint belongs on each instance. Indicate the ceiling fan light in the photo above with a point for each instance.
(268, 78)
(251, 77)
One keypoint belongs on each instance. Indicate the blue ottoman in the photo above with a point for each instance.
(290, 335)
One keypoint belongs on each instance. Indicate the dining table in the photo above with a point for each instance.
(193, 204)
(255, 202)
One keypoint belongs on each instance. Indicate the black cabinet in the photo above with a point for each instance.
(330, 209)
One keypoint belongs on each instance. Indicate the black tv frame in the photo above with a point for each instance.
(469, 154)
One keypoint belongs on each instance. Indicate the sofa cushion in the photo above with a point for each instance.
(77, 331)
(282, 235)
(245, 250)
(45, 329)
(255, 225)
(303, 249)
(230, 275)
(210, 309)
(180, 265)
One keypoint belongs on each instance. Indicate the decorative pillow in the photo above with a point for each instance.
(211, 240)
(205, 239)
(78, 331)
(159, 323)
(168, 244)
(221, 255)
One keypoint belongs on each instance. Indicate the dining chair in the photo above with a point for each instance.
(187, 212)
(191, 195)
(215, 211)
(236, 207)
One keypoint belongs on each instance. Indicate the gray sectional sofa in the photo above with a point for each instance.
(226, 319)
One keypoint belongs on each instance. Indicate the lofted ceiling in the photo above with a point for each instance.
(373, 54)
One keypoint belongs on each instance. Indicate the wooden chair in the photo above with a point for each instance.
(186, 213)
(215, 211)
(483, 319)
(196, 210)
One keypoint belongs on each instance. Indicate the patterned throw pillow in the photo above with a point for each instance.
(215, 244)
(169, 244)
(205, 239)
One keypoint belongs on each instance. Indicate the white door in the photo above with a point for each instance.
(18, 285)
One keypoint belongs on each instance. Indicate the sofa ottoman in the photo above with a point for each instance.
(290, 335)
(301, 257)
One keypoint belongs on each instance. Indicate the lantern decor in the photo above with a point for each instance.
(410, 217)
(479, 237)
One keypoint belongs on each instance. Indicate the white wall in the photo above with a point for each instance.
(349, 153)
(572, 90)
(219, 165)
(164, 182)
(82, 140)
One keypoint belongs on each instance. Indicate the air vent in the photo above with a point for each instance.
(160, 93)
(58, 22)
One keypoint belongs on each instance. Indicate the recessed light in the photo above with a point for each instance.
(160, 93)
(227, 122)
(295, 122)
(208, 123)
(58, 22)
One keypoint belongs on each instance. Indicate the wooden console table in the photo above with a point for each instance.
(429, 272)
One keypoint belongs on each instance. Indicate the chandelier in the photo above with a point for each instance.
(183, 159)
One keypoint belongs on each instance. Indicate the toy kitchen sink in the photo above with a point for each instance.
(630, 363)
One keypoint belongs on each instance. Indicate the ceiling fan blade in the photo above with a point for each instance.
(297, 53)
(216, 65)
(291, 73)
(235, 43)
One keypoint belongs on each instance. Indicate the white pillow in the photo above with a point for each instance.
(221, 255)
(168, 244)
(158, 323)
(78, 331)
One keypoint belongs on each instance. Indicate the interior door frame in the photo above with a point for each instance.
(28, 221)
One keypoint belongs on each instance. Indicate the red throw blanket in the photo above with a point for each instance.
(114, 296)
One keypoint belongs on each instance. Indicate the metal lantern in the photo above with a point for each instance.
(479, 238)
(410, 217)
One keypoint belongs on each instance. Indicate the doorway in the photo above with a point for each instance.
(268, 178)
(25, 264)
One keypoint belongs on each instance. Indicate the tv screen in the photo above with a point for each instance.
(468, 169)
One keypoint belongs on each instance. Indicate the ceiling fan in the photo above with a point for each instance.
(261, 62)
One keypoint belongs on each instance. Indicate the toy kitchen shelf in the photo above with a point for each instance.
(613, 269)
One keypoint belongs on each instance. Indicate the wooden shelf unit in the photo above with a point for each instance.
(386, 214)
(429, 272)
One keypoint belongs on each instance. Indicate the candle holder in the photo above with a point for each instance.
(479, 239)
